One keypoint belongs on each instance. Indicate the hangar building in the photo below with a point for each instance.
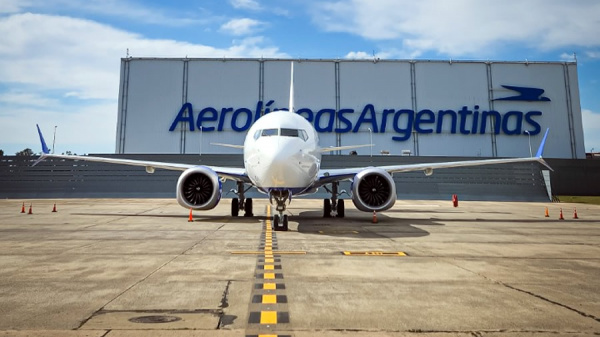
(421, 108)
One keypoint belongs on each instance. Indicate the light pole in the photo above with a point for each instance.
(529, 137)
(54, 139)
(371, 140)
(201, 140)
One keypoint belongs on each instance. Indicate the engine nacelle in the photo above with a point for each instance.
(199, 188)
(373, 189)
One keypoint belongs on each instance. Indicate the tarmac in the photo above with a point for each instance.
(138, 267)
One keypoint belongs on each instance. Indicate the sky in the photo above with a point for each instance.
(60, 59)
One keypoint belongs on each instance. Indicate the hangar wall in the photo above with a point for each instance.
(430, 108)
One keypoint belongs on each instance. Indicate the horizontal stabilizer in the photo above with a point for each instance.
(348, 147)
(229, 145)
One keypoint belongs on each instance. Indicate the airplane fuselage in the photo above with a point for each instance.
(281, 152)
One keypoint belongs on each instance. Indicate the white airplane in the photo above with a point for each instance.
(282, 158)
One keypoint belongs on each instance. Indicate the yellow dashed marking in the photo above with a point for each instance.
(269, 299)
(268, 317)
(269, 267)
(269, 286)
(269, 276)
(375, 253)
(270, 252)
(269, 260)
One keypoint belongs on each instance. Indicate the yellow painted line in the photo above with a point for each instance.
(375, 253)
(270, 252)
(269, 276)
(268, 335)
(269, 286)
(268, 317)
(270, 260)
(269, 267)
(269, 299)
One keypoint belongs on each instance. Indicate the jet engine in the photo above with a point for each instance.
(373, 189)
(199, 188)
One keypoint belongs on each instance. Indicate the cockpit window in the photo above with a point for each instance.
(269, 132)
(303, 135)
(299, 133)
(294, 133)
(289, 132)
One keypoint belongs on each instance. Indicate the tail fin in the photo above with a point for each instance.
(540, 150)
(291, 107)
(45, 148)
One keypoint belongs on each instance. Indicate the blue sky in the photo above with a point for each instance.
(60, 59)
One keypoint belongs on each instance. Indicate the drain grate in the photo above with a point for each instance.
(155, 319)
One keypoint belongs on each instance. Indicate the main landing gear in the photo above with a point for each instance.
(241, 203)
(280, 220)
(334, 206)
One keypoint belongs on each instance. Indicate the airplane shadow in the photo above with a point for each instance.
(357, 224)
(196, 217)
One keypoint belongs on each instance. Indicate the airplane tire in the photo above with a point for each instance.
(248, 208)
(235, 207)
(285, 223)
(341, 211)
(276, 222)
(326, 208)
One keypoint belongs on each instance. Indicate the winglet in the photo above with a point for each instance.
(45, 148)
(540, 150)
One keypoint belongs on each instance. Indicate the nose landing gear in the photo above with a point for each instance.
(280, 220)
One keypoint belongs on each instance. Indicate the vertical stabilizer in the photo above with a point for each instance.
(291, 107)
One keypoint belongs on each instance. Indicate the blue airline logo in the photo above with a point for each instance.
(403, 122)
(525, 94)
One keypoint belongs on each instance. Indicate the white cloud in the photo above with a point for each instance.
(593, 54)
(12, 6)
(67, 71)
(591, 129)
(244, 26)
(464, 27)
(128, 9)
(358, 55)
(83, 57)
(246, 4)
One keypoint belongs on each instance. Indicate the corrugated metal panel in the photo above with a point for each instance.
(156, 87)
(76, 179)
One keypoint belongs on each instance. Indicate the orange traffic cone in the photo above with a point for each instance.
(575, 213)
(30, 209)
(190, 218)
(375, 217)
(561, 217)
(23, 208)
(54, 208)
(547, 214)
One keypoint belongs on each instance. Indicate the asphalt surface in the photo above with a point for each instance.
(124, 267)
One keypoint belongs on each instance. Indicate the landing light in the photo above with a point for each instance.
(428, 171)
(149, 169)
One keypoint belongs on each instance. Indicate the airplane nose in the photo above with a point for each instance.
(279, 166)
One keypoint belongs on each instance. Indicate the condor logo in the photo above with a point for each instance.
(525, 94)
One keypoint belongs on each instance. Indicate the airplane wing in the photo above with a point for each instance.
(232, 173)
(335, 148)
(330, 175)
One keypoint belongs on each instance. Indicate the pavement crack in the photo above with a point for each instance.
(223, 318)
(597, 319)
(224, 301)
(579, 312)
